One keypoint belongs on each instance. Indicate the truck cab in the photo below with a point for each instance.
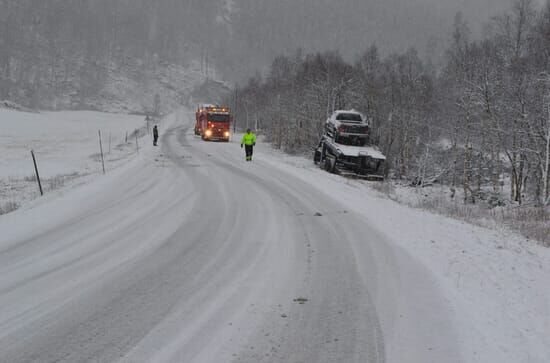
(213, 123)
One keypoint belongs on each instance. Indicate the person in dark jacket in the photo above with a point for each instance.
(155, 135)
(249, 141)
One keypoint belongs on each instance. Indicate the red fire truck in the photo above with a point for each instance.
(213, 122)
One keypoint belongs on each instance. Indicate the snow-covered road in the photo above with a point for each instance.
(190, 254)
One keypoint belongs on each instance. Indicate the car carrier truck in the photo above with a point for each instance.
(344, 147)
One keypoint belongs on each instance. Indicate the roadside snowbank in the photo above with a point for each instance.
(496, 281)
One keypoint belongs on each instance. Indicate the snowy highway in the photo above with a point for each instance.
(190, 254)
(396, 210)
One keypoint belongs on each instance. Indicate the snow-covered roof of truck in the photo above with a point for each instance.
(347, 111)
(207, 105)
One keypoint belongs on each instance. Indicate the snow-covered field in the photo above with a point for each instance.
(447, 288)
(66, 146)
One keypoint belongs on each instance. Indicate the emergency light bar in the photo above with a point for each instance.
(215, 109)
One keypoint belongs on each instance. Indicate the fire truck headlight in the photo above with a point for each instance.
(208, 133)
(226, 134)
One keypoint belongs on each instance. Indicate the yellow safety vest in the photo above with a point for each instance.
(249, 139)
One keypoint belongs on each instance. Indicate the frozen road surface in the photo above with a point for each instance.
(190, 254)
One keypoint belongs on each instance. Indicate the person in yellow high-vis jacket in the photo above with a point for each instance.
(249, 141)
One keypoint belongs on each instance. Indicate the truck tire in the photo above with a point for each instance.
(317, 157)
(330, 164)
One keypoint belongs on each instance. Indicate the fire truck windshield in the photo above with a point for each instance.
(218, 117)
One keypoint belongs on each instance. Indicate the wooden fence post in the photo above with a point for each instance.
(36, 171)
(101, 151)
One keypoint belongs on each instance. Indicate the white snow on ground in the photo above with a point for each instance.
(66, 146)
(497, 282)
(62, 141)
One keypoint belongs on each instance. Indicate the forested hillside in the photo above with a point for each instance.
(65, 53)
(481, 124)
